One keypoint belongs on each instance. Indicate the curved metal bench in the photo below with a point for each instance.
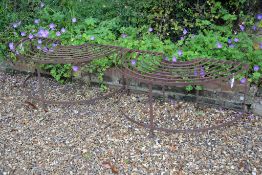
(54, 53)
(162, 72)
(151, 68)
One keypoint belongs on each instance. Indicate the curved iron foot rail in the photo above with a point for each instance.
(153, 128)
(46, 102)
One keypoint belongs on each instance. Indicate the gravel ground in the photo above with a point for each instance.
(97, 139)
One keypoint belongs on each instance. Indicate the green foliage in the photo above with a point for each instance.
(169, 18)
(207, 22)
(199, 88)
(189, 88)
(61, 73)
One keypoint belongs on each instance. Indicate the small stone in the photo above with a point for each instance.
(254, 172)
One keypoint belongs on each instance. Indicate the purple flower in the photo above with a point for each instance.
(174, 59)
(202, 72)
(42, 4)
(52, 26)
(16, 52)
(124, 35)
(219, 45)
(39, 41)
(150, 29)
(256, 68)
(15, 25)
(11, 46)
(63, 30)
(45, 49)
(75, 68)
(236, 40)
(30, 36)
(38, 47)
(92, 38)
(166, 59)
(43, 33)
(243, 80)
(184, 31)
(260, 45)
(229, 41)
(23, 33)
(58, 34)
(37, 21)
(231, 45)
(73, 20)
(195, 72)
(182, 38)
(254, 27)
(54, 45)
(242, 28)
(259, 16)
(133, 62)
(179, 52)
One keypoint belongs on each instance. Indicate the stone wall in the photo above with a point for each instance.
(218, 93)
(257, 103)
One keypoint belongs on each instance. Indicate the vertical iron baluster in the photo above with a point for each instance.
(246, 89)
(151, 111)
(40, 88)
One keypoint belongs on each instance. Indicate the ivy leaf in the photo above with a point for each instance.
(256, 76)
(189, 88)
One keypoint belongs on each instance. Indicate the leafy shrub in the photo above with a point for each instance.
(170, 18)
(204, 31)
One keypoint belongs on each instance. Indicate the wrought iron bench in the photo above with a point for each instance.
(154, 69)
(54, 53)
(151, 68)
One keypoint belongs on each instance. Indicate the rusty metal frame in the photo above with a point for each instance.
(77, 55)
(162, 75)
(156, 71)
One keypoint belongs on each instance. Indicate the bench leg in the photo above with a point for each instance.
(40, 88)
(245, 97)
(125, 85)
(151, 115)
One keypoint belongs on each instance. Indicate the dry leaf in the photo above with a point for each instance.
(180, 172)
(241, 165)
(106, 164)
(114, 169)
(173, 147)
(31, 104)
